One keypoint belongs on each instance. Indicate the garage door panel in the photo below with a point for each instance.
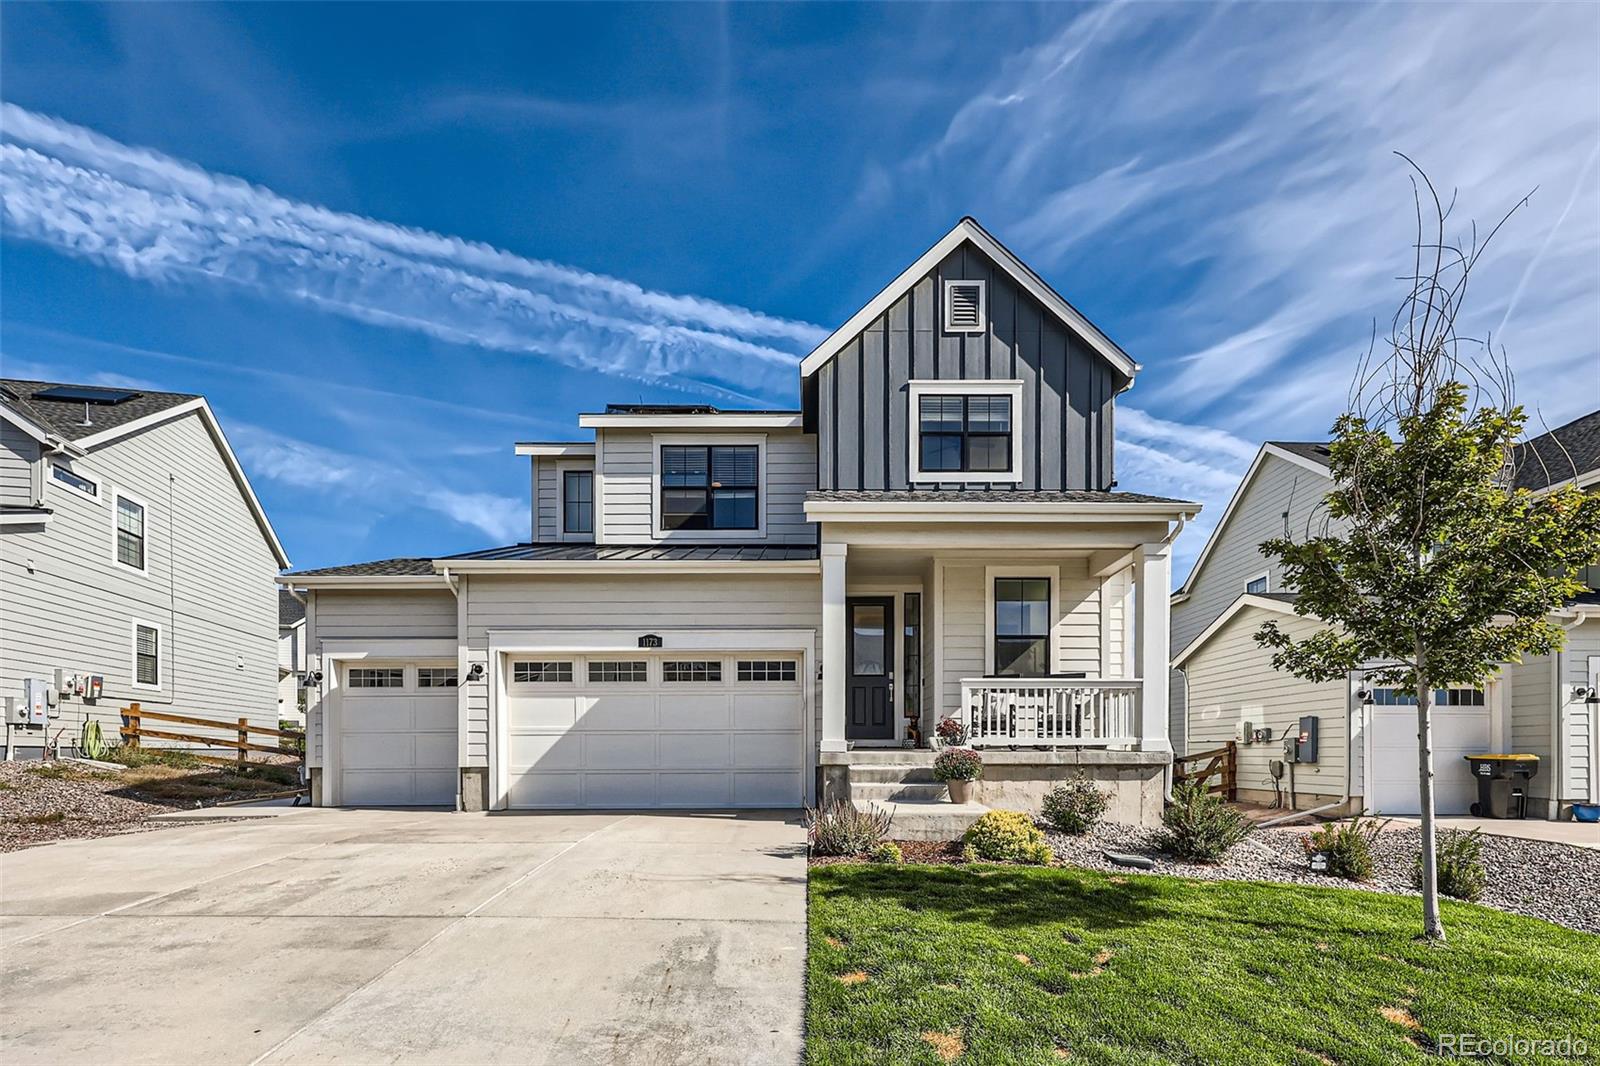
(435, 749)
(545, 789)
(695, 790)
(766, 749)
(702, 710)
(618, 751)
(434, 713)
(367, 714)
(695, 751)
(619, 790)
(542, 712)
(546, 751)
(619, 712)
(379, 751)
(397, 788)
(765, 789)
(1392, 786)
(764, 710)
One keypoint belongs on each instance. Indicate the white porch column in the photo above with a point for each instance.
(1152, 572)
(833, 647)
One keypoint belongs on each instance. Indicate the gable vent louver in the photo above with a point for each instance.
(964, 307)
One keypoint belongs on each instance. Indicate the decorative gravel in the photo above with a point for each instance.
(1556, 882)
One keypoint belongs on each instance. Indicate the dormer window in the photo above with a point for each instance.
(965, 431)
(710, 487)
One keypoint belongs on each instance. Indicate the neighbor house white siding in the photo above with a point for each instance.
(1231, 680)
(1282, 498)
(19, 462)
(627, 485)
(208, 585)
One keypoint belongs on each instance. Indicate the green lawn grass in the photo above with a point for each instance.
(1147, 969)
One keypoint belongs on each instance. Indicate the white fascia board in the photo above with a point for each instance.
(1247, 600)
(612, 639)
(557, 448)
(198, 405)
(37, 517)
(1587, 479)
(726, 420)
(967, 230)
(1238, 494)
(27, 425)
(357, 581)
(597, 567)
(990, 511)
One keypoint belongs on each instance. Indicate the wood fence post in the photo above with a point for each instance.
(1230, 772)
(244, 739)
(130, 727)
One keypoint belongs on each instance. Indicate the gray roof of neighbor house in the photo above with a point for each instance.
(688, 553)
(1316, 451)
(290, 610)
(403, 567)
(987, 496)
(65, 418)
(1561, 454)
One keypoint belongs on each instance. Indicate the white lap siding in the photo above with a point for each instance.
(1231, 680)
(19, 456)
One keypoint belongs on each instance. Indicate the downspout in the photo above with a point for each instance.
(1558, 670)
(1349, 771)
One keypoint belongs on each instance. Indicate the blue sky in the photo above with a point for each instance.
(387, 242)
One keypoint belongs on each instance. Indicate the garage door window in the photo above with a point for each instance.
(436, 677)
(377, 677)
(617, 672)
(696, 670)
(542, 672)
(1442, 697)
(766, 670)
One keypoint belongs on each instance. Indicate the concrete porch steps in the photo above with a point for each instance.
(881, 792)
(926, 820)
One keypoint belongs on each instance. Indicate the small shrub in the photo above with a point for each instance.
(888, 854)
(1008, 836)
(1347, 846)
(951, 732)
(957, 764)
(1461, 871)
(969, 853)
(1075, 807)
(841, 829)
(1200, 827)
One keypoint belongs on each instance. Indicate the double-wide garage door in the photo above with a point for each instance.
(665, 730)
(397, 735)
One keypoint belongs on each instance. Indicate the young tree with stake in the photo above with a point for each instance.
(1433, 570)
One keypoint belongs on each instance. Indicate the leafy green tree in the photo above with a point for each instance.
(1433, 571)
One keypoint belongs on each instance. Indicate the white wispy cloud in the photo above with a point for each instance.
(161, 219)
(360, 483)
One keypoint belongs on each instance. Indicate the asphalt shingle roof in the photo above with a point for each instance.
(404, 567)
(610, 553)
(65, 417)
(1316, 451)
(1560, 454)
(290, 610)
(986, 496)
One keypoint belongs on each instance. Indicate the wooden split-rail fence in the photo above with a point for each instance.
(135, 727)
(1222, 764)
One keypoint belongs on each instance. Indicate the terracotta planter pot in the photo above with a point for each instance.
(960, 791)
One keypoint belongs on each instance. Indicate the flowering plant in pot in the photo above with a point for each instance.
(958, 768)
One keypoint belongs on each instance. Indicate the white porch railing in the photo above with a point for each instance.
(1045, 712)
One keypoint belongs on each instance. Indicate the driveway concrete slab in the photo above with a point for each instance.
(586, 991)
(411, 936)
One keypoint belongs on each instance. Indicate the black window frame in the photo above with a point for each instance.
(568, 479)
(1016, 638)
(75, 481)
(965, 435)
(710, 490)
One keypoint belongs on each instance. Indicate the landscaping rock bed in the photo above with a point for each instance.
(1556, 882)
(45, 802)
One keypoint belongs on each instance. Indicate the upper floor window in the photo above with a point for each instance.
(74, 481)
(1257, 585)
(965, 433)
(130, 533)
(577, 501)
(709, 486)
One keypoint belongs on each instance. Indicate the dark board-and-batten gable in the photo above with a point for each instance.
(856, 386)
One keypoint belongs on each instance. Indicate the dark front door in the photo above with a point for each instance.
(871, 680)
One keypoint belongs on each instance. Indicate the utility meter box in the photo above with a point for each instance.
(35, 701)
(1305, 741)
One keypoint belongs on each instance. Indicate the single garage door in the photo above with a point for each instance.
(627, 730)
(1461, 725)
(397, 735)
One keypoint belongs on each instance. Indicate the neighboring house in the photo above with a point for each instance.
(734, 608)
(132, 550)
(291, 656)
(1367, 738)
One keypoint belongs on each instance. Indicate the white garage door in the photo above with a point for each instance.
(397, 735)
(654, 731)
(1461, 726)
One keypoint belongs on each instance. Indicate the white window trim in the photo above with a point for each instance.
(983, 306)
(1265, 575)
(133, 655)
(562, 470)
(918, 388)
(1053, 573)
(658, 440)
(94, 497)
(115, 495)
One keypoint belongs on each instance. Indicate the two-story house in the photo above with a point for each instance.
(132, 551)
(1225, 688)
(745, 608)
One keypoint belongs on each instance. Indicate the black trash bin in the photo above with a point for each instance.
(1502, 784)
